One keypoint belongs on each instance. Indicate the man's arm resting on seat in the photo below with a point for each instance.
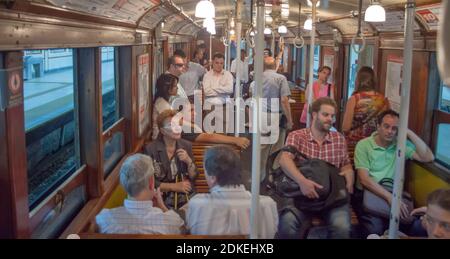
(423, 152)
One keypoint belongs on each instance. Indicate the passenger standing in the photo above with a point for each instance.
(362, 110)
(320, 88)
(139, 215)
(242, 66)
(190, 79)
(177, 68)
(218, 87)
(321, 143)
(274, 86)
(226, 209)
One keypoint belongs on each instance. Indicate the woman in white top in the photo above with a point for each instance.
(166, 86)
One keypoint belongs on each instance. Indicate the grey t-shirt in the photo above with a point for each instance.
(274, 86)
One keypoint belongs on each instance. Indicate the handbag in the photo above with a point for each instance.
(377, 206)
(333, 193)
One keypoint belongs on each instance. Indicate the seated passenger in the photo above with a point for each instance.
(139, 215)
(375, 160)
(436, 220)
(321, 143)
(173, 161)
(226, 209)
(166, 87)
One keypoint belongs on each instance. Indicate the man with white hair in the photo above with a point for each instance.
(139, 215)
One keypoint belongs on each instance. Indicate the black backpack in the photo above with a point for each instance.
(333, 194)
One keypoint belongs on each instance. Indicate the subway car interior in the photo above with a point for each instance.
(91, 145)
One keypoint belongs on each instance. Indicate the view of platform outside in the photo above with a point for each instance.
(49, 116)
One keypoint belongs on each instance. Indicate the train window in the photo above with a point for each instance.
(110, 107)
(113, 150)
(442, 146)
(114, 144)
(316, 61)
(443, 130)
(50, 126)
(444, 102)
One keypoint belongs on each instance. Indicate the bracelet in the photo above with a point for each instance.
(191, 164)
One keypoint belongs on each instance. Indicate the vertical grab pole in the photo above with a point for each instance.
(311, 60)
(237, 88)
(210, 51)
(256, 151)
(404, 114)
(226, 66)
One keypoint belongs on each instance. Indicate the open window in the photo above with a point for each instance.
(441, 117)
(50, 122)
(113, 125)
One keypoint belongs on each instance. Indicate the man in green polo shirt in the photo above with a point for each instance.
(375, 160)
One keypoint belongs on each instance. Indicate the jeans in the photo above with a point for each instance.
(371, 224)
(295, 224)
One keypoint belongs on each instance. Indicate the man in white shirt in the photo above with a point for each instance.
(218, 83)
(138, 215)
(217, 87)
(241, 66)
(226, 209)
(190, 79)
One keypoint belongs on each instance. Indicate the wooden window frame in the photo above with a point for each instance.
(439, 117)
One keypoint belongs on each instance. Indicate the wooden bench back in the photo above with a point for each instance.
(199, 151)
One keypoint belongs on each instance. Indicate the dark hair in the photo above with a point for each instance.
(386, 113)
(223, 163)
(440, 197)
(195, 53)
(172, 59)
(315, 106)
(218, 55)
(325, 67)
(365, 80)
(179, 52)
(163, 84)
(268, 51)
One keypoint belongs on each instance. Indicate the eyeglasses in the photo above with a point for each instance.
(432, 221)
(179, 65)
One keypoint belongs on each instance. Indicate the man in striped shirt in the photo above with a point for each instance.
(139, 215)
(321, 143)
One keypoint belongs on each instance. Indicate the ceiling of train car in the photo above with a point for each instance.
(122, 10)
(148, 13)
(329, 9)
